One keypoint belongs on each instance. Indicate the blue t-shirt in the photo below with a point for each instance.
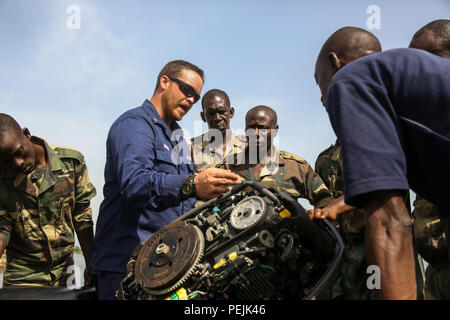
(391, 114)
(145, 167)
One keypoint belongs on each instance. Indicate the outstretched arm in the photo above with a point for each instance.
(2, 247)
(389, 244)
(331, 211)
(86, 239)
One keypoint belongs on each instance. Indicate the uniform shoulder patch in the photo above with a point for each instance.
(68, 152)
(326, 151)
(291, 156)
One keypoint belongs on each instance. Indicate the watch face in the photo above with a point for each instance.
(187, 188)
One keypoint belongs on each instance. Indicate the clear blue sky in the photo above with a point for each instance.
(69, 85)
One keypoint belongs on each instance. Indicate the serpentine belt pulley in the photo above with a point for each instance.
(169, 257)
(248, 212)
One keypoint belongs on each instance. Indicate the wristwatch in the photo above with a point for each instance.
(188, 187)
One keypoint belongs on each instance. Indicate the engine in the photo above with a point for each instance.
(251, 243)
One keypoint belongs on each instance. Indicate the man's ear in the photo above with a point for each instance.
(26, 133)
(276, 131)
(202, 115)
(335, 62)
(164, 82)
(231, 112)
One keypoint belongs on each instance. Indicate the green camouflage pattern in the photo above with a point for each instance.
(206, 154)
(329, 167)
(351, 283)
(429, 235)
(430, 242)
(39, 213)
(286, 172)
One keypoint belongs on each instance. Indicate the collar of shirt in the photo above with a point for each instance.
(237, 143)
(38, 181)
(173, 133)
(271, 167)
(272, 162)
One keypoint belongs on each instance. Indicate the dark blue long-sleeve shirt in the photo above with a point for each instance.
(144, 170)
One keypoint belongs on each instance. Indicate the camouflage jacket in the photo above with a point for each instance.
(429, 235)
(39, 213)
(286, 172)
(329, 167)
(207, 154)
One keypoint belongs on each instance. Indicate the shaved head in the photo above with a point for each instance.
(212, 94)
(261, 127)
(17, 152)
(262, 110)
(216, 110)
(8, 125)
(342, 47)
(349, 43)
(433, 37)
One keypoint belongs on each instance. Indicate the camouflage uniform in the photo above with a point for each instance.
(351, 284)
(2, 263)
(329, 167)
(430, 242)
(286, 172)
(38, 215)
(206, 154)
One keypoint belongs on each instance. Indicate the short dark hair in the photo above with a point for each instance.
(441, 29)
(350, 41)
(174, 68)
(8, 124)
(269, 110)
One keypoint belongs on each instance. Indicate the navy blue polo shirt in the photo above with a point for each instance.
(145, 166)
(391, 114)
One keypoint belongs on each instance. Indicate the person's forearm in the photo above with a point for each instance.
(2, 247)
(388, 240)
(340, 207)
(151, 188)
(86, 239)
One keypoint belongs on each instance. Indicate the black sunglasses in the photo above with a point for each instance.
(186, 89)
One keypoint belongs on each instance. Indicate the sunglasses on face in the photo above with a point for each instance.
(186, 89)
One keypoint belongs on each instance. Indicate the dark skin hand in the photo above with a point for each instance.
(389, 244)
(2, 247)
(388, 240)
(86, 239)
(331, 211)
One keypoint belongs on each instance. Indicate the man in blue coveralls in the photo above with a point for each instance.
(149, 179)
(391, 114)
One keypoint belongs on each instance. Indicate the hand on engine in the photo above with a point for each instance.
(214, 182)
